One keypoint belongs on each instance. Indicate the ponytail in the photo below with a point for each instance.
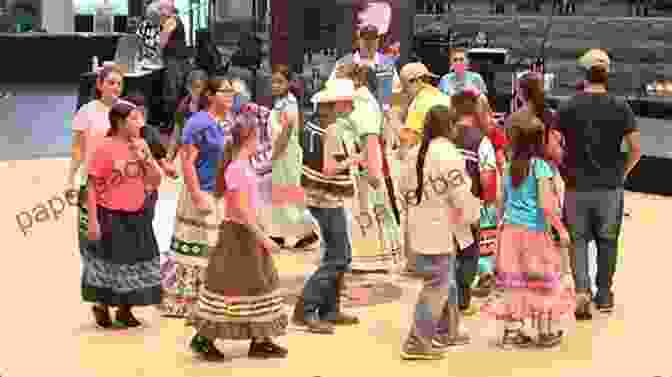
(420, 167)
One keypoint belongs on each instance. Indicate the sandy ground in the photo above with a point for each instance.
(46, 329)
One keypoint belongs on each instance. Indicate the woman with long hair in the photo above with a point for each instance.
(532, 270)
(240, 299)
(440, 207)
(289, 216)
(121, 256)
(376, 233)
(203, 141)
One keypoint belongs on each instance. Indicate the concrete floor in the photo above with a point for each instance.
(46, 329)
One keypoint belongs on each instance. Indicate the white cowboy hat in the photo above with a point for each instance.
(335, 90)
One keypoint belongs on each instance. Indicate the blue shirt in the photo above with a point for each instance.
(450, 85)
(209, 138)
(522, 203)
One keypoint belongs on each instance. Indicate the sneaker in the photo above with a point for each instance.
(266, 350)
(444, 342)
(343, 319)
(515, 338)
(604, 302)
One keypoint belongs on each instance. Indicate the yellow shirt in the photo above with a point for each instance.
(427, 98)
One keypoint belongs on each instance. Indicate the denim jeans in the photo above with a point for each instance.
(439, 288)
(321, 292)
(595, 215)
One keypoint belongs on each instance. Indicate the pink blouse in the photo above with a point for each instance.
(93, 121)
(241, 177)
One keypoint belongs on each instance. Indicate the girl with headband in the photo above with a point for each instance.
(121, 256)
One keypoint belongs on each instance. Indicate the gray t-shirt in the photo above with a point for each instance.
(594, 126)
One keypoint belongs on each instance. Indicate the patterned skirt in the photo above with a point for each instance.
(376, 236)
(528, 271)
(241, 298)
(183, 268)
(123, 266)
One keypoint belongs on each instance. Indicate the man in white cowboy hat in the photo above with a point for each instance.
(327, 182)
(595, 124)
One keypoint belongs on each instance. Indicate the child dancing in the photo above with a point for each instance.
(533, 272)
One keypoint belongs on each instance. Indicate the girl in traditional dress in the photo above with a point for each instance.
(121, 257)
(203, 141)
(241, 299)
(289, 217)
(441, 208)
(89, 127)
(532, 270)
(376, 234)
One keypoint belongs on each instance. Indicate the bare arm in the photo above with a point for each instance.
(550, 206)
(374, 159)
(91, 201)
(281, 142)
(239, 209)
(633, 141)
(189, 154)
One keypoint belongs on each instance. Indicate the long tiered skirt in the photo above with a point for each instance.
(123, 266)
(376, 236)
(528, 272)
(183, 268)
(241, 298)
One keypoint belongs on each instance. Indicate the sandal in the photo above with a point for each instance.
(550, 340)
(516, 338)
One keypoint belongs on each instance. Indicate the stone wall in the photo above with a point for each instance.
(638, 46)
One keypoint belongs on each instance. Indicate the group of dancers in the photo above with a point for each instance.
(380, 180)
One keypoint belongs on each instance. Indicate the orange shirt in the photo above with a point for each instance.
(119, 179)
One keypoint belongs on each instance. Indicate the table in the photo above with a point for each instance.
(47, 58)
(146, 83)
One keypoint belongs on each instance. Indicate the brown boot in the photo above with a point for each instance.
(126, 317)
(298, 315)
(339, 317)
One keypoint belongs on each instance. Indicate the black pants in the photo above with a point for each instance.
(467, 268)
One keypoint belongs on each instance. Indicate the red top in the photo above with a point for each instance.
(119, 179)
